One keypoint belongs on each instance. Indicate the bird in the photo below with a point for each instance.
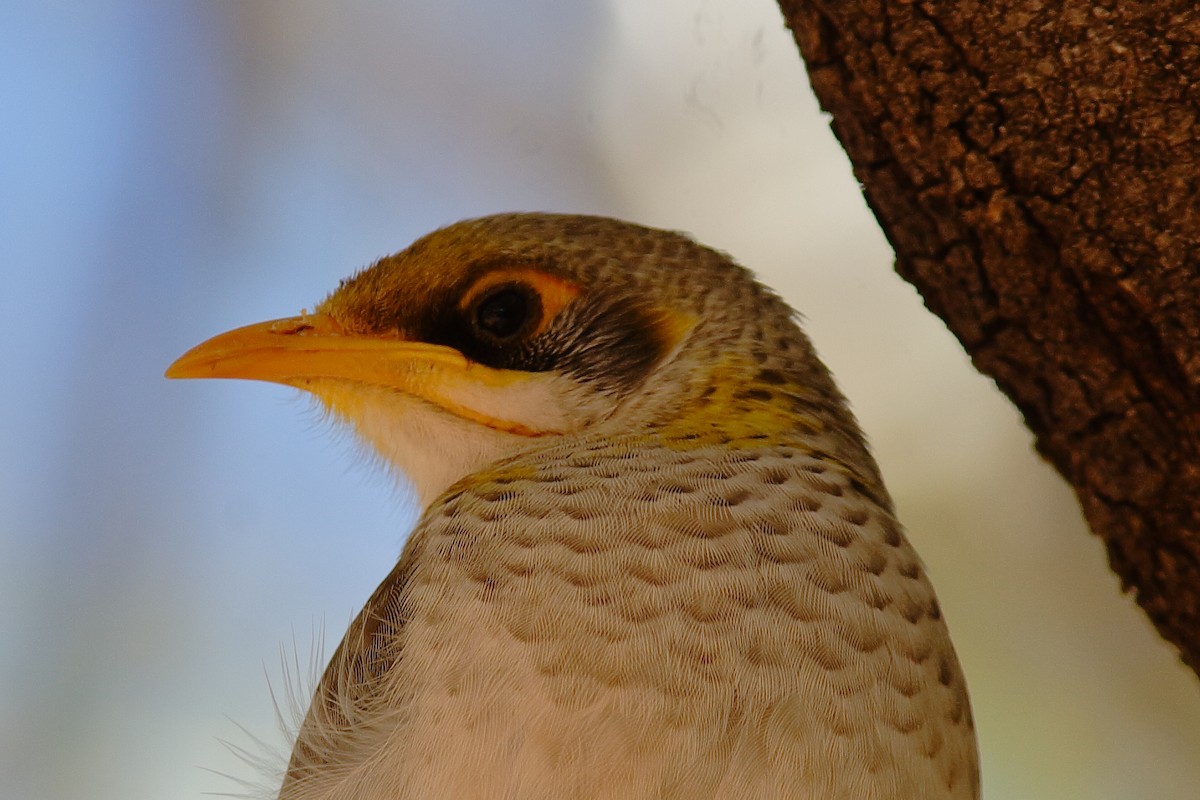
(655, 557)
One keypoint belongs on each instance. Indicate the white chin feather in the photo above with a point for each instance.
(430, 446)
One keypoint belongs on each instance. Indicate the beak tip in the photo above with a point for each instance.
(179, 368)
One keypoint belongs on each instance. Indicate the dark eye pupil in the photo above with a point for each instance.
(504, 313)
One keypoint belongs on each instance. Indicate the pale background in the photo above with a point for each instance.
(172, 169)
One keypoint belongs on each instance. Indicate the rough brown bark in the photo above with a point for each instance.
(1036, 166)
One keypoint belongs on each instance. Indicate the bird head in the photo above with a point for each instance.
(496, 335)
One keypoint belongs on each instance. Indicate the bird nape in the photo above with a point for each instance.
(655, 559)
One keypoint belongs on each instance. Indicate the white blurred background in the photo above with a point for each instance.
(172, 169)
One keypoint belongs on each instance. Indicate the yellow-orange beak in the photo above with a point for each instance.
(311, 346)
(301, 351)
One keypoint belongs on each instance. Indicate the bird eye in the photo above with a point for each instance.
(507, 311)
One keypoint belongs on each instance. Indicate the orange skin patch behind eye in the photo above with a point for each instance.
(555, 292)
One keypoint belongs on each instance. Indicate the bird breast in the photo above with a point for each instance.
(625, 621)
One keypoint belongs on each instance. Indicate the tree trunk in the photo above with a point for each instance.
(1036, 166)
